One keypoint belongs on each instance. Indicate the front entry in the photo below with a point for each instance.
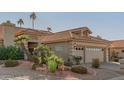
(31, 46)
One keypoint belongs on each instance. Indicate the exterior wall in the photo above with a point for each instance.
(100, 51)
(1, 32)
(7, 33)
(61, 49)
(1, 43)
(9, 36)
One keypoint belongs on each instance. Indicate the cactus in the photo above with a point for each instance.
(53, 63)
(52, 66)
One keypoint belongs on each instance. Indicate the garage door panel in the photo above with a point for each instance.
(94, 53)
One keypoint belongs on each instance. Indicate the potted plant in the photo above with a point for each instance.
(77, 59)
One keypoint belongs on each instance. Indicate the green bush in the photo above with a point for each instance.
(79, 69)
(41, 54)
(11, 52)
(34, 58)
(53, 62)
(95, 63)
(52, 66)
(11, 63)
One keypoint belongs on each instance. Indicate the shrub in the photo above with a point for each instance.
(95, 63)
(79, 69)
(52, 66)
(11, 52)
(42, 52)
(53, 62)
(34, 58)
(11, 63)
(34, 66)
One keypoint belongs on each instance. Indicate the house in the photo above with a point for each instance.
(66, 44)
(117, 47)
(78, 42)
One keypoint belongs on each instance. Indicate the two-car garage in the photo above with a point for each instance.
(92, 53)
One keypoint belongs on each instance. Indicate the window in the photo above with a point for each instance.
(79, 48)
(94, 49)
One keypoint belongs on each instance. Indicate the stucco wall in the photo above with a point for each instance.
(9, 37)
(64, 52)
(1, 32)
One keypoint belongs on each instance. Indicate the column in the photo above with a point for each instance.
(106, 55)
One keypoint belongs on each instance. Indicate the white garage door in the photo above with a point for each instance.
(92, 53)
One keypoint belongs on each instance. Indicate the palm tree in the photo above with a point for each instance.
(49, 28)
(20, 22)
(33, 18)
(21, 40)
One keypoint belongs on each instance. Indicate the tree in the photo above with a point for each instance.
(21, 40)
(20, 22)
(49, 29)
(33, 18)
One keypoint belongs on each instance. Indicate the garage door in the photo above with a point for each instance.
(92, 53)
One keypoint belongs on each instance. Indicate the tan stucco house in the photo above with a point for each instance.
(66, 44)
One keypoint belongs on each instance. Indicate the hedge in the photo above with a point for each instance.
(11, 52)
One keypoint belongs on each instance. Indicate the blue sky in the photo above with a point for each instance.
(107, 25)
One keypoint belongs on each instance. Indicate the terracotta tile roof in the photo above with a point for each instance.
(117, 44)
(21, 31)
(63, 36)
(56, 37)
(68, 35)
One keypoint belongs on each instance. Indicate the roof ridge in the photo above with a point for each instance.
(117, 40)
(68, 30)
(31, 29)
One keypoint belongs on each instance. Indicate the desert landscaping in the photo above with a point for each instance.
(24, 72)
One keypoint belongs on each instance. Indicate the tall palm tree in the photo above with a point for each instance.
(49, 28)
(33, 18)
(20, 22)
(20, 41)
